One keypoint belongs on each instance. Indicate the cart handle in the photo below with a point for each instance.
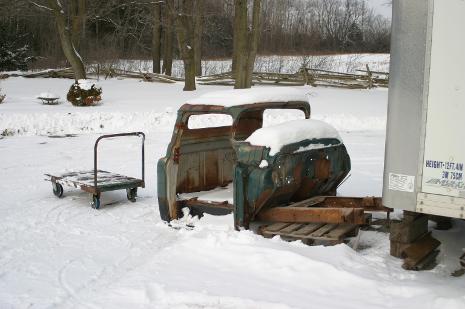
(119, 135)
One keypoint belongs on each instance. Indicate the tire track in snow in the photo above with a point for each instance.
(68, 289)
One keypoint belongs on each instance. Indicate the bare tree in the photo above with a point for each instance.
(245, 42)
(198, 30)
(185, 35)
(168, 38)
(156, 37)
(78, 21)
(66, 41)
(120, 29)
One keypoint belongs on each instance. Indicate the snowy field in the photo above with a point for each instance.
(60, 253)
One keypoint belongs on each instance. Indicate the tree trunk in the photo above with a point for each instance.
(156, 37)
(82, 13)
(168, 39)
(198, 30)
(235, 39)
(245, 42)
(78, 21)
(240, 40)
(185, 35)
(253, 42)
(66, 43)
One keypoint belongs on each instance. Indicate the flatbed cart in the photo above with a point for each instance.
(97, 181)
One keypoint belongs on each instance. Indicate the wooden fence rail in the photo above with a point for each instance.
(363, 79)
(308, 76)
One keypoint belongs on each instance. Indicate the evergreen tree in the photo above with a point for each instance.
(13, 56)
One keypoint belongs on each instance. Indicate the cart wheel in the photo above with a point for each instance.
(57, 189)
(95, 201)
(131, 194)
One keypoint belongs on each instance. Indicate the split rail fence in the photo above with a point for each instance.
(363, 79)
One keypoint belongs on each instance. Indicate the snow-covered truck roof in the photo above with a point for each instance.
(225, 99)
(278, 136)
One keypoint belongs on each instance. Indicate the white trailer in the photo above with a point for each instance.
(425, 138)
(425, 142)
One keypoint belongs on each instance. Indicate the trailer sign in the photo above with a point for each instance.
(448, 170)
(399, 182)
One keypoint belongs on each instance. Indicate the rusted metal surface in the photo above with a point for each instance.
(323, 232)
(236, 109)
(203, 159)
(199, 207)
(291, 176)
(313, 215)
(138, 134)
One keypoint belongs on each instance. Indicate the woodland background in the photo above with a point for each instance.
(118, 29)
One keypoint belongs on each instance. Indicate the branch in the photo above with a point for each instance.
(41, 7)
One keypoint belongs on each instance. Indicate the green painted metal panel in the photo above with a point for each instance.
(290, 176)
(162, 190)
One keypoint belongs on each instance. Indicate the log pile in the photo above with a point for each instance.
(95, 72)
(60, 73)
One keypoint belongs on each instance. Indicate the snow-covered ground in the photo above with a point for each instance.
(60, 253)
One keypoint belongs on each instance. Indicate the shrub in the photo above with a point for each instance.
(8, 132)
(2, 96)
(84, 93)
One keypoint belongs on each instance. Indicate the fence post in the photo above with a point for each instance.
(370, 77)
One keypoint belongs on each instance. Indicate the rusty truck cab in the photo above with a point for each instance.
(203, 159)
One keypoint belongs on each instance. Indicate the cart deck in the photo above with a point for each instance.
(106, 181)
(97, 181)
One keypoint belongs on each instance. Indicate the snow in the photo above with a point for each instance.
(131, 105)
(47, 95)
(61, 253)
(248, 96)
(314, 146)
(382, 7)
(85, 84)
(74, 48)
(275, 137)
(221, 194)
